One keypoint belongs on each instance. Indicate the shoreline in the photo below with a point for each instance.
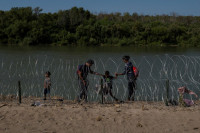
(58, 99)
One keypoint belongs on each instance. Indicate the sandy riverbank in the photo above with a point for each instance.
(69, 117)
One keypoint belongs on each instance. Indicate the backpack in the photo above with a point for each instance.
(136, 72)
(79, 67)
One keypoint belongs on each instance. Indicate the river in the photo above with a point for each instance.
(156, 65)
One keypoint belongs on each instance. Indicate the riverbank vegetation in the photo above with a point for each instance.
(79, 27)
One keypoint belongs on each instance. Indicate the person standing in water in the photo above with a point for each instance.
(128, 70)
(47, 85)
(82, 72)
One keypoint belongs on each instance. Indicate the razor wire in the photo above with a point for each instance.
(180, 70)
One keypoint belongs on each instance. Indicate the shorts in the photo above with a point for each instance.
(46, 91)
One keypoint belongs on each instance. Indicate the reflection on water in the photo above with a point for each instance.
(156, 65)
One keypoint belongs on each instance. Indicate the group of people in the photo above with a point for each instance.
(129, 70)
(83, 71)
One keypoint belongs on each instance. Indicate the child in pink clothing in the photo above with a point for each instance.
(185, 102)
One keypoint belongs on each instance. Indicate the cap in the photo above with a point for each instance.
(90, 61)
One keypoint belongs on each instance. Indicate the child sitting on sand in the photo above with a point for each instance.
(185, 102)
(107, 88)
(47, 84)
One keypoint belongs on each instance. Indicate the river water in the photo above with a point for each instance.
(180, 66)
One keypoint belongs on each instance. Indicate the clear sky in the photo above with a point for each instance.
(146, 7)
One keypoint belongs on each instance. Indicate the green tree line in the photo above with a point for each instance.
(79, 27)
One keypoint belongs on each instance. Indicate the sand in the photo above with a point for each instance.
(69, 117)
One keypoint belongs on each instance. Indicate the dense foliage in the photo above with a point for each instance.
(79, 27)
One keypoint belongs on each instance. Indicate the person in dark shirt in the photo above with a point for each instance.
(83, 71)
(108, 84)
(128, 70)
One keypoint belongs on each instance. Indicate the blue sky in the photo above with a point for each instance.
(147, 7)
